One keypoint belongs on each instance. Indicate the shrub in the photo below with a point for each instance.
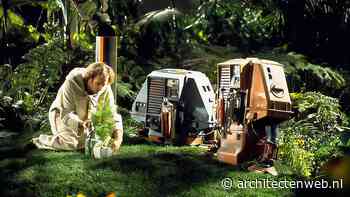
(25, 94)
(227, 22)
(32, 80)
(312, 137)
(324, 78)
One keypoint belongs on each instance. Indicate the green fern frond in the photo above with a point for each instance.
(103, 121)
(325, 75)
(124, 90)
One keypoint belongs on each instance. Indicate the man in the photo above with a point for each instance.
(77, 98)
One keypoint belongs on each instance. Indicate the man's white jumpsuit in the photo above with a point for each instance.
(71, 106)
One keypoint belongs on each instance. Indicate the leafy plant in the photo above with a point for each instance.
(323, 111)
(292, 150)
(260, 24)
(312, 137)
(26, 90)
(10, 17)
(17, 33)
(324, 75)
(307, 76)
(102, 120)
(76, 19)
(249, 25)
(32, 80)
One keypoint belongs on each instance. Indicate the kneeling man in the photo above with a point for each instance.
(77, 98)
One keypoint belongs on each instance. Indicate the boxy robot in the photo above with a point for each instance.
(251, 100)
(176, 106)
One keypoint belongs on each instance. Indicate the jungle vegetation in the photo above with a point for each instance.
(41, 41)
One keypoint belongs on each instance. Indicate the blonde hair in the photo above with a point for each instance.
(99, 69)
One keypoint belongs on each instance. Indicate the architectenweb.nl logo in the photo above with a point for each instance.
(228, 183)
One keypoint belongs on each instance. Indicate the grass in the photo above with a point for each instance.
(140, 169)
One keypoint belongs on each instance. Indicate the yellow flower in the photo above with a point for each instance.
(80, 195)
(300, 141)
(111, 194)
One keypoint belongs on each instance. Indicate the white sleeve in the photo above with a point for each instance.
(68, 113)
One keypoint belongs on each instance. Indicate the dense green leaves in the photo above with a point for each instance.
(41, 69)
(292, 151)
(215, 30)
(322, 110)
(238, 23)
(324, 75)
(26, 91)
(72, 19)
(301, 73)
(312, 137)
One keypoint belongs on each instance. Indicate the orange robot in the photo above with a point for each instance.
(252, 99)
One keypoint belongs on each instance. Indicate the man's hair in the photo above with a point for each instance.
(99, 69)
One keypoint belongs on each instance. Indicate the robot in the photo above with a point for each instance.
(252, 100)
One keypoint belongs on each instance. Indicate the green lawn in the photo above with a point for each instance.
(140, 169)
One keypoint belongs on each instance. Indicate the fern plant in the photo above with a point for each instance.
(304, 75)
(324, 75)
(102, 120)
(32, 79)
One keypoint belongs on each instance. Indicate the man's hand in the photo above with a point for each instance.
(116, 133)
(86, 124)
(117, 138)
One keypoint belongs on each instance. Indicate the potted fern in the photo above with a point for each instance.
(99, 141)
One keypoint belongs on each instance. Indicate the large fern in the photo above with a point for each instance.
(325, 75)
(304, 75)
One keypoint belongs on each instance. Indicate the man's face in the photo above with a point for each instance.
(96, 84)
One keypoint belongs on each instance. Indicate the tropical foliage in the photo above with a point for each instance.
(312, 137)
(301, 71)
(13, 25)
(27, 90)
(39, 49)
(241, 23)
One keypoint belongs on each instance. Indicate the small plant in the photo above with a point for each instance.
(98, 143)
(103, 121)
